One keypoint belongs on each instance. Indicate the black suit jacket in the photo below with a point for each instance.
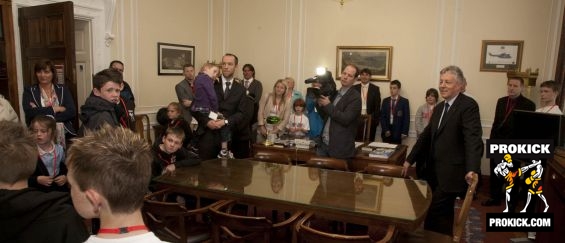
(401, 119)
(343, 127)
(255, 90)
(373, 101)
(502, 125)
(237, 108)
(447, 153)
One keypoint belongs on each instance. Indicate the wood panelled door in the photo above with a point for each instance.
(47, 31)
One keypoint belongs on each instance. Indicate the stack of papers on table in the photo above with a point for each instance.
(358, 144)
(382, 145)
(381, 153)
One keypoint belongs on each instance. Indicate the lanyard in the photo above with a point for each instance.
(167, 162)
(393, 103)
(54, 161)
(510, 104)
(550, 108)
(294, 120)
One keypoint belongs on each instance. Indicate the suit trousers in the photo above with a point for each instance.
(441, 214)
(496, 182)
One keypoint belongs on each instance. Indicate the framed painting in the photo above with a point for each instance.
(172, 57)
(378, 59)
(501, 55)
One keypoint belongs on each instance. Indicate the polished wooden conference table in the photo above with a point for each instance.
(358, 163)
(352, 197)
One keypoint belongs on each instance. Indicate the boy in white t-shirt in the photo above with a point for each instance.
(109, 172)
(548, 94)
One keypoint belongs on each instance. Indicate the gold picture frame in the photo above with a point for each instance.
(501, 55)
(378, 59)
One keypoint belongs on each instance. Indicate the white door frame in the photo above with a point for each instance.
(92, 11)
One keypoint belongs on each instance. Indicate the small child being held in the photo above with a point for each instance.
(50, 173)
(298, 125)
(206, 103)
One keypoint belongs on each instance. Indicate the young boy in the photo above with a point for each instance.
(109, 171)
(548, 94)
(100, 106)
(395, 115)
(170, 154)
(205, 103)
(29, 215)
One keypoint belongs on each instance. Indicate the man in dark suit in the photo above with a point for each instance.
(236, 108)
(340, 114)
(450, 149)
(370, 100)
(395, 115)
(501, 129)
(254, 88)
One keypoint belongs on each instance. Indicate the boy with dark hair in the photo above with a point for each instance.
(395, 115)
(29, 215)
(101, 106)
(109, 171)
(170, 154)
(548, 92)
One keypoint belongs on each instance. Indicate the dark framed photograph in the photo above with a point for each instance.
(501, 55)
(378, 59)
(171, 58)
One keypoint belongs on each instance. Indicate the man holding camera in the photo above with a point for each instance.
(340, 113)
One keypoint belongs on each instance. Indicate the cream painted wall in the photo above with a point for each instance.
(292, 37)
(139, 26)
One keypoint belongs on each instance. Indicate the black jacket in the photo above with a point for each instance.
(97, 111)
(29, 215)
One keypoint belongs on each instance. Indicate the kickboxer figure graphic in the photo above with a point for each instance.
(503, 169)
(535, 185)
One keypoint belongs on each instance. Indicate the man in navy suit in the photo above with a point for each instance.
(395, 115)
(449, 150)
(340, 114)
(370, 101)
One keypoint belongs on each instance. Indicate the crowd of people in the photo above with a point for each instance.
(220, 116)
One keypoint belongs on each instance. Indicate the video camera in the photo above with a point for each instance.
(327, 85)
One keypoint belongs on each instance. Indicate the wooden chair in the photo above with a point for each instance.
(172, 221)
(389, 170)
(273, 157)
(306, 233)
(459, 224)
(236, 228)
(158, 130)
(327, 163)
(364, 129)
(143, 129)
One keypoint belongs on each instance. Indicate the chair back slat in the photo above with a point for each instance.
(327, 163)
(464, 213)
(273, 157)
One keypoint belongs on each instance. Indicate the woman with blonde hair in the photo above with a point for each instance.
(274, 108)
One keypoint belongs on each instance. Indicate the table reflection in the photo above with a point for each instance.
(367, 198)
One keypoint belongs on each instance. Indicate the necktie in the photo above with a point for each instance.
(246, 84)
(392, 108)
(227, 91)
(443, 118)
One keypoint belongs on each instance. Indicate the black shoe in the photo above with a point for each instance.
(490, 202)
